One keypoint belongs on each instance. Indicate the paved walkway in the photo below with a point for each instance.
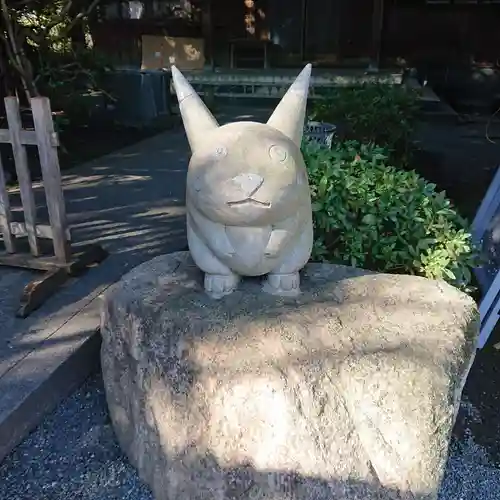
(132, 203)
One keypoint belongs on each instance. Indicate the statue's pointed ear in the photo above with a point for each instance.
(289, 115)
(196, 117)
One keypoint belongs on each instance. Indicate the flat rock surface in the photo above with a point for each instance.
(349, 391)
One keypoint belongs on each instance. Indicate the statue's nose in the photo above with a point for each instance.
(248, 183)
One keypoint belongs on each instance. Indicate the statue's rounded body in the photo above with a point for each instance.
(248, 200)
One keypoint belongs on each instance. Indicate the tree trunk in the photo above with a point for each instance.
(77, 31)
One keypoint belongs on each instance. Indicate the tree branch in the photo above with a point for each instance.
(80, 16)
(14, 54)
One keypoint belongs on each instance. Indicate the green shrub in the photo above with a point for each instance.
(376, 113)
(68, 79)
(371, 215)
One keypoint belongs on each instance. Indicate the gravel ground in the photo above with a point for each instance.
(471, 473)
(74, 455)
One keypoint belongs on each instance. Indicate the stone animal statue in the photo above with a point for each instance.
(247, 199)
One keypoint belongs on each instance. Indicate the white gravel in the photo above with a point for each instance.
(73, 455)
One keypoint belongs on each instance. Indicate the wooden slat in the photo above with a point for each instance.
(5, 214)
(18, 229)
(83, 257)
(23, 173)
(27, 261)
(28, 137)
(49, 161)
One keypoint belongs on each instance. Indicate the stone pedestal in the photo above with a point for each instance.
(348, 391)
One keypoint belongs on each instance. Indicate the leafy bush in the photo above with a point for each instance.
(68, 79)
(376, 113)
(374, 216)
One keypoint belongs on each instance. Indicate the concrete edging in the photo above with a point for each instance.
(38, 383)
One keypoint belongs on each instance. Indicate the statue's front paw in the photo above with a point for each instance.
(218, 285)
(283, 284)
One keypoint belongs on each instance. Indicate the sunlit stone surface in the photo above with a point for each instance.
(346, 392)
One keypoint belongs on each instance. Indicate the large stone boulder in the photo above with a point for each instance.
(348, 391)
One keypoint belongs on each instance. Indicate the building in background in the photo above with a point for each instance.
(286, 33)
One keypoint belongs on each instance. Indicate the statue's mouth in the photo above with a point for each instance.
(249, 201)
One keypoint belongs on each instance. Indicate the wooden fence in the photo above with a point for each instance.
(61, 261)
(46, 139)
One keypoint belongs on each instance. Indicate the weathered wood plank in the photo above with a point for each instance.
(28, 261)
(49, 161)
(28, 137)
(83, 258)
(23, 173)
(18, 229)
(40, 290)
(5, 214)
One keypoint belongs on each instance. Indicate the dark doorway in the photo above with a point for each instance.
(304, 30)
(321, 31)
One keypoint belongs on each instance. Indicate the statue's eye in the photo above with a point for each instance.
(277, 153)
(220, 152)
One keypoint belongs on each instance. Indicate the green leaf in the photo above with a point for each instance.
(449, 274)
(369, 219)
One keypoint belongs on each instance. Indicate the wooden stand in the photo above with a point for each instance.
(63, 261)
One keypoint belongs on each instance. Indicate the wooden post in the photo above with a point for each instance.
(22, 169)
(5, 215)
(49, 161)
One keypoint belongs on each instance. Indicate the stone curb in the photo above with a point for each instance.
(37, 384)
